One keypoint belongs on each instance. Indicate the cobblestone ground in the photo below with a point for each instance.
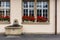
(31, 37)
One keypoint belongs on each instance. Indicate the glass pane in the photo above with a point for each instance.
(8, 12)
(45, 13)
(7, 4)
(25, 12)
(39, 12)
(45, 5)
(31, 4)
(25, 4)
(31, 12)
(3, 12)
(2, 4)
(39, 4)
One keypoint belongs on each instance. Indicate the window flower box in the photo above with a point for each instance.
(31, 18)
(28, 18)
(4, 18)
(25, 18)
(41, 19)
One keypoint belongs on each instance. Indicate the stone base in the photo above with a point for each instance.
(13, 30)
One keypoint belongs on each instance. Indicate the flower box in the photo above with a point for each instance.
(28, 18)
(41, 19)
(4, 18)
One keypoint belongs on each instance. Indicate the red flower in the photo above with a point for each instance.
(1, 17)
(7, 17)
(25, 17)
(44, 19)
(4, 17)
(41, 19)
(31, 18)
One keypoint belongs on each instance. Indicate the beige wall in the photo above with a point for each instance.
(41, 29)
(58, 16)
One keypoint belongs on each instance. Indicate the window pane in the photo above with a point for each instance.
(39, 4)
(45, 5)
(39, 12)
(8, 12)
(31, 12)
(31, 4)
(2, 4)
(45, 13)
(25, 12)
(25, 5)
(7, 4)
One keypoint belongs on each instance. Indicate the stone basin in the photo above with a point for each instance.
(13, 30)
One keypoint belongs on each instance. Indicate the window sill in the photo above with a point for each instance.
(38, 23)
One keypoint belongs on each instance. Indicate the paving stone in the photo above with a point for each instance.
(31, 37)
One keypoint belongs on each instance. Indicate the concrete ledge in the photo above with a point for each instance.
(37, 33)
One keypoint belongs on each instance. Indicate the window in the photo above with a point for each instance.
(35, 11)
(4, 11)
(28, 8)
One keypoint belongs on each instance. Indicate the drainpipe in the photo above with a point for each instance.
(55, 17)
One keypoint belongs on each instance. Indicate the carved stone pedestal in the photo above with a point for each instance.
(13, 30)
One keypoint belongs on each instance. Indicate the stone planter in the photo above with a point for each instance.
(13, 30)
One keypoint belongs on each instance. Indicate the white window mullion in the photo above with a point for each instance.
(28, 9)
(4, 8)
(45, 10)
(31, 9)
(42, 8)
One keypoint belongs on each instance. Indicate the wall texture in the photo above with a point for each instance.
(16, 13)
(58, 16)
(43, 29)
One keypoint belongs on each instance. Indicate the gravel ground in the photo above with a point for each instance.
(31, 37)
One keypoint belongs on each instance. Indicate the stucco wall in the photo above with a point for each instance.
(58, 16)
(38, 28)
(43, 29)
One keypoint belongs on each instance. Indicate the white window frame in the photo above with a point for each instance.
(28, 8)
(35, 13)
(5, 8)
